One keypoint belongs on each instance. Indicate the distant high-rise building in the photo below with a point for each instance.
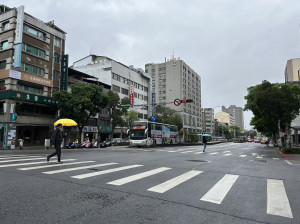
(292, 70)
(237, 113)
(174, 79)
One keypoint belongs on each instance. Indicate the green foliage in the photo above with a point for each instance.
(116, 110)
(131, 117)
(81, 103)
(271, 103)
(168, 116)
(194, 137)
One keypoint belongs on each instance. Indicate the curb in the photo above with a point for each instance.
(285, 156)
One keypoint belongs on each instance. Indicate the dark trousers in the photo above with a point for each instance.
(57, 152)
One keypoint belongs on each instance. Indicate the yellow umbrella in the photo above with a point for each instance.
(65, 122)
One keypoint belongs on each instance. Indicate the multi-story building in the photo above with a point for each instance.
(30, 71)
(208, 120)
(225, 118)
(237, 113)
(292, 71)
(122, 80)
(174, 79)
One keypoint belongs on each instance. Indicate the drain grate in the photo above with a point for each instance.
(197, 161)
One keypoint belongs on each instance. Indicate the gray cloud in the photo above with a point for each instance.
(232, 44)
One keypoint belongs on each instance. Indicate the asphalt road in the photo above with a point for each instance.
(230, 183)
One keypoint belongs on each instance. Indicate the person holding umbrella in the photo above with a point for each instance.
(204, 141)
(56, 140)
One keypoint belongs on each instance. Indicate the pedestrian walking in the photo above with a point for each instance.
(21, 144)
(56, 140)
(204, 143)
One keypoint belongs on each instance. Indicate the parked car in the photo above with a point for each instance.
(116, 141)
(256, 141)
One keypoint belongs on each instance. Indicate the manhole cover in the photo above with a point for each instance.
(262, 160)
(197, 161)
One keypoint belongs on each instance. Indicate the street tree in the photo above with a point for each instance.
(116, 110)
(273, 105)
(83, 102)
(131, 117)
(169, 116)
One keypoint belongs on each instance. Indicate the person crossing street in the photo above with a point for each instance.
(204, 143)
(56, 140)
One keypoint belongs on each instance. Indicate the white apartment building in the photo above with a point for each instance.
(120, 77)
(174, 79)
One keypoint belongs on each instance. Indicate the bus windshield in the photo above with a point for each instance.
(136, 134)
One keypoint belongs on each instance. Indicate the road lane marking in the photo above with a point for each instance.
(259, 157)
(163, 187)
(288, 162)
(17, 157)
(19, 160)
(32, 163)
(213, 153)
(242, 155)
(139, 176)
(187, 151)
(78, 168)
(199, 152)
(218, 192)
(229, 154)
(47, 166)
(276, 158)
(278, 202)
(86, 175)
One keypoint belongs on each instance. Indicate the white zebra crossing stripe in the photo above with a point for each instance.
(213, 153)
(198, 152)
(32, 163)
(259, 157)
(242, 155)
(276, 158)
(139, 176)
(229, 154)
(17, 157)
(278, 202)
(86, 175)
(162, 188)
(218, 192)
(78, 168)
(53, 165)
(19, 160)
(186, 151)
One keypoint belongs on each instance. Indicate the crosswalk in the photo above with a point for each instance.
(277, 200)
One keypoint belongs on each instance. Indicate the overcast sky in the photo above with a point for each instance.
(231, 44)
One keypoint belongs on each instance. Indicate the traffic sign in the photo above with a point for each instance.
(153, 118)
(13, 117)
(177, 102)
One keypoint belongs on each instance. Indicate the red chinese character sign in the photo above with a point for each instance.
(177, 102)
(131, 95)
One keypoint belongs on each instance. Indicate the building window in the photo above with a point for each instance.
(140, 96)
(5, 25)
(162, 86)
(32, 69)
(124, 91)
(33, 32)
(4, 45)
(2, 65)
(140, 116)
(135, 95)
(116, 88)
(146, 98)
(145, 89)
(57, 42)
(162, 98)
(56, 58)
(145, 116)
(33, 50)
(56, 75)
(30, 89)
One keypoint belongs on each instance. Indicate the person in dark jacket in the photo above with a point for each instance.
(56, 140)
(204, 143)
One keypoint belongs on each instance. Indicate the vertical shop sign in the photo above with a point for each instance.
(64, 72)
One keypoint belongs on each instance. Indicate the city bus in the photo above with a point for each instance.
(142, 133)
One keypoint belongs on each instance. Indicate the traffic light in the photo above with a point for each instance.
(126, 105)
(187, 101)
